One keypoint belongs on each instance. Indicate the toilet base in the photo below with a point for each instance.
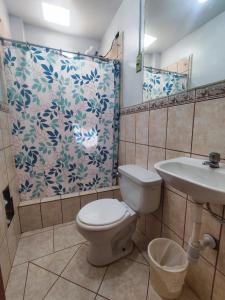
(103, 253)
(124, 252)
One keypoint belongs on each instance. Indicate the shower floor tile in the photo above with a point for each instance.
(51, 264)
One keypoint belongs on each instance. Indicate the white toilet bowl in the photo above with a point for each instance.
(108, 225)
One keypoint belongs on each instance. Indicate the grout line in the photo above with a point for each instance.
(35, 233)
(193, 123)
(167, 121)
(148, 285)
(51, 287)
(97, 293)
(24, 292)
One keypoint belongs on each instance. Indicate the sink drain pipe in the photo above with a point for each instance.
(196, 245)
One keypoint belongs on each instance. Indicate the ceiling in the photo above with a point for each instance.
(171, 20)
(88, 18)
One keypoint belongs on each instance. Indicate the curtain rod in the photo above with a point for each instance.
(55, 49)
(165, 71)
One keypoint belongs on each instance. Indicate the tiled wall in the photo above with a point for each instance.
(40, 213)
(192, 130)
(8, 235)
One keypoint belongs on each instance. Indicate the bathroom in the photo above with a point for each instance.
(112, 142)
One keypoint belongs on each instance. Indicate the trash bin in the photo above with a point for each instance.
(168, 267)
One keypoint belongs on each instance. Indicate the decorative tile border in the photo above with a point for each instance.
(204, 93)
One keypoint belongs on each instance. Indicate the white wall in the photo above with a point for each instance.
(4, 21)
(207, 44)
(17, 28)
(45, 37)
(127, 20)
(49, 38)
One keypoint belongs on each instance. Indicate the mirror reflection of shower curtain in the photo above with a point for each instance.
(65, 120)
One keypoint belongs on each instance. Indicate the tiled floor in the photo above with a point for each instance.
(51, 264)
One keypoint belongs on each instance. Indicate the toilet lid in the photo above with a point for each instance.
(102, 212)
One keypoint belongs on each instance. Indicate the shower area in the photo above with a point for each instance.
(64, 115)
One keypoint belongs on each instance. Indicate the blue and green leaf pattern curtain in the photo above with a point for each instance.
(65, 120)
(160, 83)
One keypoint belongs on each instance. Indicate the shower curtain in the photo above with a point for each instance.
(65, 120)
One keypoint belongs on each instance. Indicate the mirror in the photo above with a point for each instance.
(184, 45)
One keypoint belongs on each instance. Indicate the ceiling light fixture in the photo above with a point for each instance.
(202, 1)
(148, 40)
(56, 14)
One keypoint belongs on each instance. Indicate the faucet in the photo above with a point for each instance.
(214, 159)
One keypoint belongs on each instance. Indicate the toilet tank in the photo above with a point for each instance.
(140, 188)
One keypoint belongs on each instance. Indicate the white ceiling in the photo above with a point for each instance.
(88, 18)
(171, 20)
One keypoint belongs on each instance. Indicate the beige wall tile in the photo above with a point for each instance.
(104, 195)
(221, 257)
(155, 155)
(70, 208)
(3, 224)
(123, 128)
(3, 168)
(130, 153)
(219, 287)
(122, 153)
(5, 261)
(12, 240)
(142, 120)
(209, 225)
(51, 213)
(179, 130)
(130, 128)
(157, 127)
(85, 199)
(209, 133)
(6, 136)
(200, 278)
(117, 195)
(30, 217)
(172, 68)
(174, 210)
(142, 155)
(152, 227)
(10, 164)
(169, 234)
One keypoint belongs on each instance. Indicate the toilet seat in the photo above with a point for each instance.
(102, 212)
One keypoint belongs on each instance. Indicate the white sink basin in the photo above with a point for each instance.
(190, 176)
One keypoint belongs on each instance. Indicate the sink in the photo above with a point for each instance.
(190, 176)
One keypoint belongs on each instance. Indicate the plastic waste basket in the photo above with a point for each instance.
(168, 267)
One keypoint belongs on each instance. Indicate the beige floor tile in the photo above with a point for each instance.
(39, 281)
(141, 243)
(57, 261)
(33, 232)
(16, 284)
(66, 236)
(34, 246)
(100, 298)
(124, 280)
(81, 272)
(64, 289)
(219, 287)
(187, 294)
(137, 256)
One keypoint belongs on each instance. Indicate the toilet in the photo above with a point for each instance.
(108, 224)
